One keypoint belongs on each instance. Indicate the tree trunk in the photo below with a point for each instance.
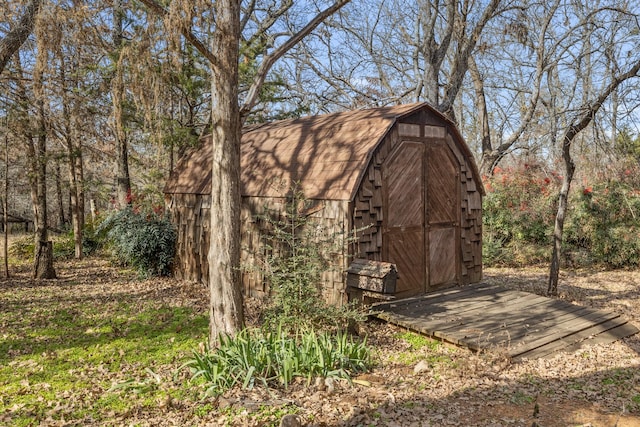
(61, 217)
(563, 203)
(43, 262)
(74, 157)
(225, 305)
(123, 180)
(5, 207)
(487, 163)
(14, 39)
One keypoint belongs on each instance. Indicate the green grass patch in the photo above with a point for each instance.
(418, 341)
(64, 349)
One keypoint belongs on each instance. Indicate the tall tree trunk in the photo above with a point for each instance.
(123, 180)
(74, 156)
(225, 305)
(60, 199)
(5, 207)
(43, 260)
(563, 203)
(488, 162)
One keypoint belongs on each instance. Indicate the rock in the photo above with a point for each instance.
(290, 420)
(421, 367)
(330, 383)
(320, 385)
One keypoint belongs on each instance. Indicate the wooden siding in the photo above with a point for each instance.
(190, 213)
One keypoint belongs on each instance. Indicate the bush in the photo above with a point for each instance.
(601, 226)
(145, 241)
(296, 251)
(275, 358)
(23, 247)
(518, 215)
(604, 222)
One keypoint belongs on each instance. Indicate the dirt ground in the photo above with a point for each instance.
(440, 384)
(443, 385)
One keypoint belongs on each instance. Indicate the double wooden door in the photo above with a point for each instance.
(422, 215)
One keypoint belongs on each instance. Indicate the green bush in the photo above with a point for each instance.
(145, 241)
(22, 248)
(601, 226)
(296, 250)
(604, 223)
(518, 215)
(276, 357)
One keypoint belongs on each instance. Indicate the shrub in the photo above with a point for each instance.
(275, 358)
(601, 226)
(518, 214)
(145, 241)
(604, 223)
(22, 248)
(296, 250)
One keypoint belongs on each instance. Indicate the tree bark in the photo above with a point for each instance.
(225, 304)
(60, 199)
(563, 203)
(123, 180)
(74, 157)
(43, 257)
(5, 207)
(16, 37)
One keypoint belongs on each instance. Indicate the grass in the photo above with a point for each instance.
(423, 348)
(78, 340)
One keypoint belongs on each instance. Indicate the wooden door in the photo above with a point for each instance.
(442, 215)
(404, 233)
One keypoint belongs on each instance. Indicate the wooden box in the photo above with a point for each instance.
(375, 276)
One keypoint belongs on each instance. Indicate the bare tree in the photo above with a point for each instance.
(576, 75)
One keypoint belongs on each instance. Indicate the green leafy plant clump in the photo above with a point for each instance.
(277, 358)
(143, 240)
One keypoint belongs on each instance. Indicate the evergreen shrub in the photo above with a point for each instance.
(296, 250)
(143, 240)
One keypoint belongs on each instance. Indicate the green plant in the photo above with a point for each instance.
(296, 251)
(603, 223)
(276, 358)
(518, 214)
(418, 341)
(144, 240)
(22, 248)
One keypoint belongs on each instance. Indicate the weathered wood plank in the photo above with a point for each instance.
(433, 296)
(463, 303)
(518, 331)
(603, 333)
(560, 331)
(525, 324)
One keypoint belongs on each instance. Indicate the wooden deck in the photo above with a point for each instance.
(489, 317)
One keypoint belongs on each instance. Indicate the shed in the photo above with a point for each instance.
(401, 175)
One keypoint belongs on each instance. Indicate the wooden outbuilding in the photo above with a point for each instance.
(402, 176)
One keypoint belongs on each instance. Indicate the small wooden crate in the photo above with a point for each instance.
(373, 276)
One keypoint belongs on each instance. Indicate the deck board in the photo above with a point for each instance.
(483, 317)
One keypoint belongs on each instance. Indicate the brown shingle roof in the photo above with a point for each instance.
(326, 154)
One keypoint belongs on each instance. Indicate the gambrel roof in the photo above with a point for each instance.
(326, 154)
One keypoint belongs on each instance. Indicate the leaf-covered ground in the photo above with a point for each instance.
(100, 347)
